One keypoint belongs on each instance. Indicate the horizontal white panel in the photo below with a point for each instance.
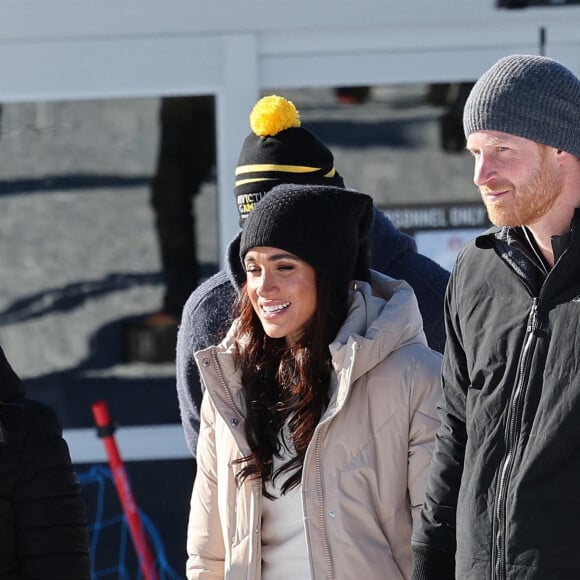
(384, 67)
(143, 443)
(78, 18)
(118, 67)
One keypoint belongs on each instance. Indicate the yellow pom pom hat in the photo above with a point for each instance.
(279, 150)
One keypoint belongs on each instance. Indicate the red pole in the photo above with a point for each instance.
(105, 431)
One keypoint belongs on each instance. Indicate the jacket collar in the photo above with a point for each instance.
(511, 235)
(511, 245)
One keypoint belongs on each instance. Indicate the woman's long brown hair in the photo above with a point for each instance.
(285, 385)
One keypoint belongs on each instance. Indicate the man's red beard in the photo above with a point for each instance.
(525, 204)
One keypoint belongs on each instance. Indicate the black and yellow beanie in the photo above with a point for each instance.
(328, 227)
(279, 150)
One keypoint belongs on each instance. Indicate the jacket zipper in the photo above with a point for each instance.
(252, 570)
(512, 435)
(318, 470)
(320, 495)
(319, 478)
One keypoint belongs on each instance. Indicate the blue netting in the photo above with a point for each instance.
(112, 552)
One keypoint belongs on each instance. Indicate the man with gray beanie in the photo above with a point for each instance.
(503, 498)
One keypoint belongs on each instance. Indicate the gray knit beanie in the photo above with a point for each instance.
(328, 227)
(529, 96)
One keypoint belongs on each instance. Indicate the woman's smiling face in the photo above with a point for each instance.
(282, 290)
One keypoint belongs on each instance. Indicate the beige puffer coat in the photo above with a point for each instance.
(366, 467)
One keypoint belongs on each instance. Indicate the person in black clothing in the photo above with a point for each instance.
(186, 156)
(185, 159)
(503, 497)
(43, 528)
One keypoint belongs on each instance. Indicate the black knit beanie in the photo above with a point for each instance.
(328, 227)
(529, 96)
(279, 150)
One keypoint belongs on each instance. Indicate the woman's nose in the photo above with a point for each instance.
(267, 284)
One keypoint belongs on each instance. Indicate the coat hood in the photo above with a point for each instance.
(383, 316)
(233, 265)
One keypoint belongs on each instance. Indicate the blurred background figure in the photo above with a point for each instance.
(185, 159)
(352, 95)
(452, 97)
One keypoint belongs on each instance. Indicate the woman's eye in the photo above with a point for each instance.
(286, 267)
(251, 269)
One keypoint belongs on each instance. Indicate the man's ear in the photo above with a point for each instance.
(562, 155)
(565, 159)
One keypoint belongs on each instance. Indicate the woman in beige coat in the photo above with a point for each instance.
(319, 416)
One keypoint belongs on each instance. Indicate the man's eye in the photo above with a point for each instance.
(251, 269)
(286, 267)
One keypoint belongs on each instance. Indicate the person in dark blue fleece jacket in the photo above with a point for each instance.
(280, 150)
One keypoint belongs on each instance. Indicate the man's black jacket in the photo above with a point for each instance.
(503, 500)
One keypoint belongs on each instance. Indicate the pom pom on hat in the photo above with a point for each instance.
(279, 150)
(273, 114)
